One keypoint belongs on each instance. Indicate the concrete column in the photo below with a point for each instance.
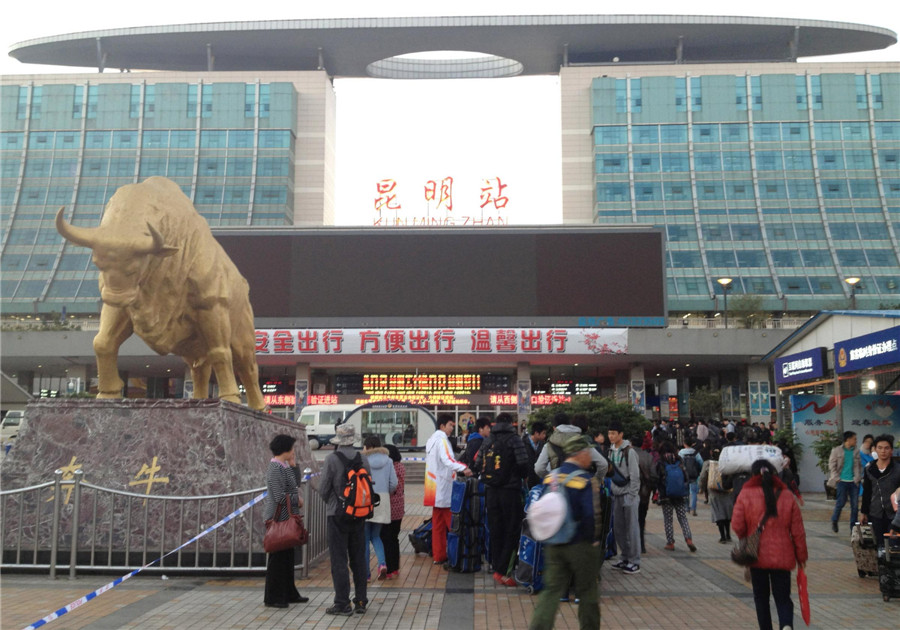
(523, 393)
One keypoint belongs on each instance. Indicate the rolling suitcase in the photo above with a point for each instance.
(465, 540)
(529, 569)
(863, 543)
(420, 538)
(889, 569)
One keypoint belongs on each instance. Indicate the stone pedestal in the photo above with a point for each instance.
(173, 448)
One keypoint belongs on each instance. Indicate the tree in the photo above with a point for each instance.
(600, 412)
(706, 402)
(747, 308)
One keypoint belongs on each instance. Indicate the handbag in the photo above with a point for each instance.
(281, 535)
(747, 550)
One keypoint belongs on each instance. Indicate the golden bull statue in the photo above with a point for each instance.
(164, 277)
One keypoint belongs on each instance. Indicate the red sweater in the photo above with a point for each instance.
(783, 541)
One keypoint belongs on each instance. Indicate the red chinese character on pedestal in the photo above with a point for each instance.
(560, 337)
(531, 341)
(443, 340)
(506, 340)
(335, 338)
(446, 193)
(481, 340)
(394, 341)
(492, 192)
(282, 341)
(419, 341)
(387, 198)
(367, 337)
(307, 341)
(262, 341)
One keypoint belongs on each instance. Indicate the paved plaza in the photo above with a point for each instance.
(674, 590)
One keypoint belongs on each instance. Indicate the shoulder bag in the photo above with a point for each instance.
(747, 550)
(281, 535)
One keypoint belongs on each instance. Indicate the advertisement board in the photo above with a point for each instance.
(801, 366)
(867, 351)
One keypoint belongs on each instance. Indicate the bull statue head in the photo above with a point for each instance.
(122, 261)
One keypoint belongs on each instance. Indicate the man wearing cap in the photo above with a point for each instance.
(440, 471)
(578, 560)
(346, 539)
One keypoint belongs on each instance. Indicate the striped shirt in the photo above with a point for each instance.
(280, 480)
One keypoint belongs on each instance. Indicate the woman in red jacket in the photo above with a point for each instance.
(782, 544)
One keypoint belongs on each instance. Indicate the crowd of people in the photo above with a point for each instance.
(672, 465)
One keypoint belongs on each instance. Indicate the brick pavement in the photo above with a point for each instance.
(674, 590)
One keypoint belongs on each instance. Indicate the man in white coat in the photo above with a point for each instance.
(440, 471)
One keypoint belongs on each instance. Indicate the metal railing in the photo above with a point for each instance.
(103, 530)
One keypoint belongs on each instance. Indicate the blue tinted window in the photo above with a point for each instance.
(155, 139)
(801, 189)
(851, 257)
(68, 140)
(815, 82)
(182, 139)
(800, 91)
(881, 258)
(30, 288)
(675, 163)
(855, 131)
(767, 132)
(274, 138)
(831, 160)
(152, 166)
(798, 161)
(240, 139)
(862, 160)
(863, 189)
(213, 139)
(677, 191)
(124, 140)
(63, 288)
(769, 161)
(834, 189)
(610, 135)
(786, 258)
(892, 188)
(212, 167)
(38, 167)
(74, 262)
(816, 257)
(716, 232)
(734, 132)
(209, 195)
(270, 195)
(772, 189)
(888, 160)
(41, 140)
(12, 140)
(692, 286)
(122, 167)
(809, 231)
(707, 161)
(33, 196)
(872, 230)
(97, 140)
(237, 194)
(681, 232)
(243, 167)
(720, 259)
(751, 258)
(645, 134)
(736, 160)
(825, 285)
(794, 132)
(682, 260)
(91, 195)
(612, 163)
(706, 133)
(647, 191)
(613, 192)
(10, 167)
(181, 167)
(795, 285)
(671, 134)
(65, 167)
(746, 232)
(710, 191)
(887, 130)
(646, 162)
(740, 189)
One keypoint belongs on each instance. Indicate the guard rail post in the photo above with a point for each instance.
(76, 514)
(54, 531)
(304, 553)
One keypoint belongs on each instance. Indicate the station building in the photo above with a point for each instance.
(780, 176)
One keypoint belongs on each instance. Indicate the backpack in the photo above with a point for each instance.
(499, 462)
(715, 478)
(357, 499)
(555, 456)
(691, 469)
(550, 516)
(676, 481)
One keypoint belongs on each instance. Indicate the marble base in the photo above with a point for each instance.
(183, 448)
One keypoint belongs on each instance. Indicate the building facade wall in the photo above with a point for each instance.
(248, 149)
(783, 177)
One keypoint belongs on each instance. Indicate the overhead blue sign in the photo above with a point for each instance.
(603, 321)
(801, 366)
(859, 353)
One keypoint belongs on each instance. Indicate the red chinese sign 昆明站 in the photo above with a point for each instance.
(491, 202)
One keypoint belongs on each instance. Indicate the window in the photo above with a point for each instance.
(645, 134)
(877, 96)
(767, 132)
(64, 167)
(795, 285)
(710, 191)
(123, 167)
(861, 160)
(37, 96)
(249, 100)
(646, 191)
(124, 140)
(673, 134)
(889, 160)
(95, 167)
(149, 100)
(716, 232)
(740, 190)
(746, 232)
(872, 231)
(720, 259)
(97, 139)
(736, 160)
(237, 194)
(677, 191)
(181, 167)
(206, 100)
(192, 101)
(610, 135)
(621, 96)
(706, 133)
(800, 90)
(756, 99)
(135, 109)
(751, 258)
(685, 260)
(734, 133)
(809, 231)
(155, 139)
(270, 195)
(675, 163)
(769, 161)
(680, 95)
(801, 189)
(887, 130)
(78, 102)
(646, 163)
(681, 233)
(815, 83)
(153, 166)
(707, 161)
(696, 95)
(855, 131)
(213, 139)
(794, 132)
(797, 161)
(240, 139)
(816, 257)
(834, 189)
(740, 93)
(92, 101)
(772, 189)
(851, 257)
(636, 100)
(22, 103)
(881, 258)
(274, 138)
(12, 140)
(264, 100)
(613, 192)
(182, 138)
(863, 189)
(243, 167)
(212, 167)
(786, 258)
(831, 160)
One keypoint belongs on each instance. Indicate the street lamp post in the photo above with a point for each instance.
(854, 283)
(726, 285)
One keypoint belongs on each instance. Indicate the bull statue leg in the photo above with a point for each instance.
(115, 328)
(248, 372)
(215, 326)
(200, 371)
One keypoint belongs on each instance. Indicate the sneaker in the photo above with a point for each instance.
(631, 569)
(669, 546)
(723, 541)
(618, 566)
(564, 598)
(834, 527)
(382, 571)
(359, 607)
(691, 545)
(508, 581)
(393, 575)
(498, 578)
(339, 610)
(694, 512)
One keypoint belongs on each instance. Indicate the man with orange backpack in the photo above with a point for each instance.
(347, 490)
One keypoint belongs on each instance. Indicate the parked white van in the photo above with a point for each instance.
(13, 422)
(320, 421)
(404, 425)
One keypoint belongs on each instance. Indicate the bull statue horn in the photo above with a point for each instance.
(86, 237)
(159, 243)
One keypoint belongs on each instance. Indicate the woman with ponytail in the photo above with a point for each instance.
(782, 545)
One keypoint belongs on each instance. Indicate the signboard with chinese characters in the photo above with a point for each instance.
(453, 341)
(814, 415)
(801, 366)
(866, 351)
(407, 204)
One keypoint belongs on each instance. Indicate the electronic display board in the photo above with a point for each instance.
(562, 276)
